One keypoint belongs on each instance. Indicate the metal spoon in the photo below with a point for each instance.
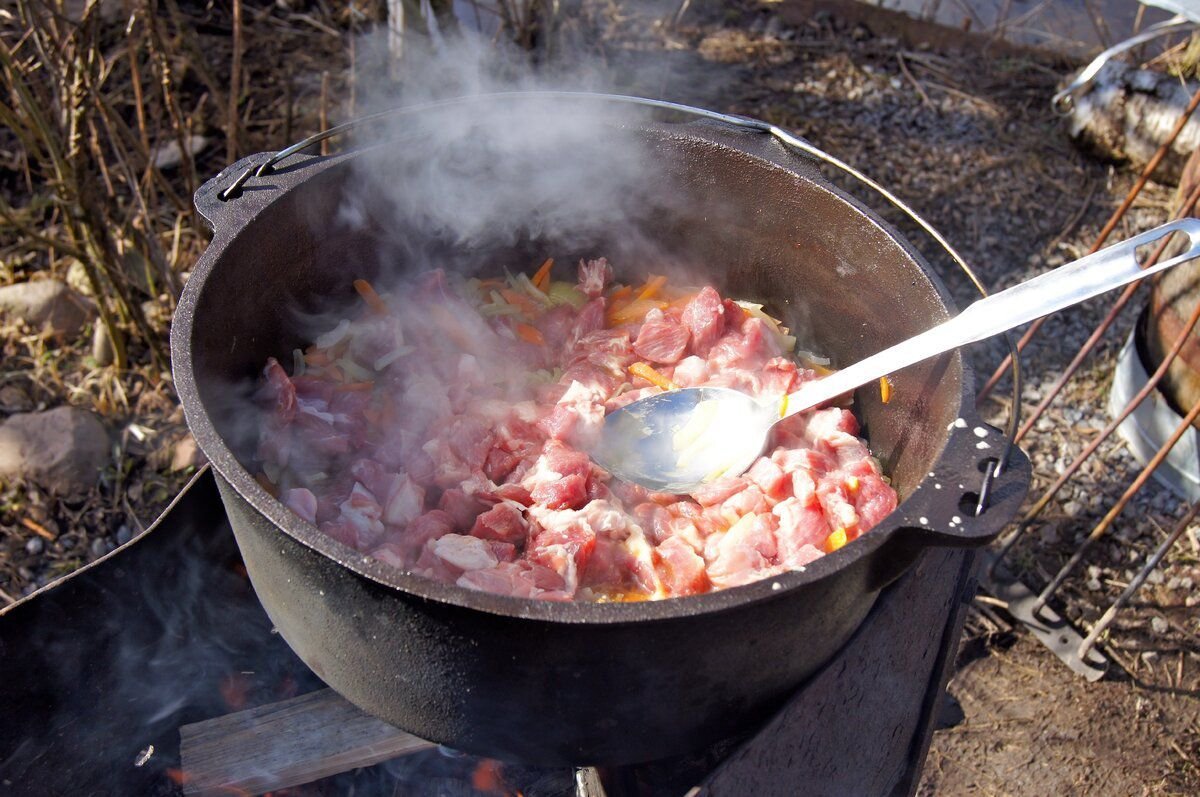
(677, 440)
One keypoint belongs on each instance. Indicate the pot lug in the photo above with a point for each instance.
(942, 510)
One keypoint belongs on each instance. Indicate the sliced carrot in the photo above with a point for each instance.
(620, 294)
(451, 328)
(355, 387)
(527, 305)
(634, 311)
(541, 277)
(316, 357)
(370, 297)
(836, 540)
(885, 389)
(645, 371)
(530, 334)
(652, 287)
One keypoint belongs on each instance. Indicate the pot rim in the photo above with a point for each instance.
(237, 477)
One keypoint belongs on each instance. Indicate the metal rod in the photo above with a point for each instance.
(1105, 621)
(1094, 339)
(1113, 220)
(1064, 100)
(1104, 434)
(1151, 383)
(1108, 519)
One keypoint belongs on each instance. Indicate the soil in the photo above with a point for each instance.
(960, 127)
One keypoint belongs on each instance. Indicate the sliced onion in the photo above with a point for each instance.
(391, 357)
(334, 336)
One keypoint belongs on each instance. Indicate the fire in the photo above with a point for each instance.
(487, 776)
(181, 778)
(234, 689)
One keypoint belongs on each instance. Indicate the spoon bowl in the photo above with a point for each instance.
(677, 440)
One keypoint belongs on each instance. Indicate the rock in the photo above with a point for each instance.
(124, 534)
(102, 346)
(170, 156)
(62, 450)
(77, 278)
(1159, 625)
(186, 454)
(14, 399)
(34, 546)
(1155, 577)
(98, 547)
(46, 304)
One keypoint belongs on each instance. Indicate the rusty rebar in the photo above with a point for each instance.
(1111, 613)
(1113, 220)
(1094, 339)
(1104, 434)
(1117, 508)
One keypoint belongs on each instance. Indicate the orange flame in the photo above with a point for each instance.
(178, 776)
(487, 776)
(234, 689)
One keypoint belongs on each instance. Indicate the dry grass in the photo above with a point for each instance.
(91, 94)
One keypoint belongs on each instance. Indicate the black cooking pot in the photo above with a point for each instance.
(581, 683)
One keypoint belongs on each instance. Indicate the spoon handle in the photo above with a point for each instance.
(1047, 293)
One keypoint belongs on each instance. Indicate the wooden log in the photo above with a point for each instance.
(286, 744)
(1129, 112)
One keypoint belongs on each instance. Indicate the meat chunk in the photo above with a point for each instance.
(680, 568)
(593, 276)
(704, 317)
(662, 341)
(463, 552)
(745, 553)
(503, 522)
(301, 501)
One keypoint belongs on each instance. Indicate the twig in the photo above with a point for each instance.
(8, 599)
(916, 84)
(38, 529)
(235, 86)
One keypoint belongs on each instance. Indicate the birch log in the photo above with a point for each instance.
(1129, 112)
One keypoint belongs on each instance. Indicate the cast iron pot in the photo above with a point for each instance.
(578, 683)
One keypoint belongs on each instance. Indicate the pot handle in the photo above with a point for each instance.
(214, 198)
(965, 502)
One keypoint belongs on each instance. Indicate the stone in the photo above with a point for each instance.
(61, 450)
(124, 534)
(34, 546)
(46, 305)
(14, 399)
(102, 346)
(170, 155)
(98, 547)
(186, 454)
(77, 278)
(1159, 625)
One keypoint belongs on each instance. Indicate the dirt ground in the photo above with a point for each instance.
(962, 128)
